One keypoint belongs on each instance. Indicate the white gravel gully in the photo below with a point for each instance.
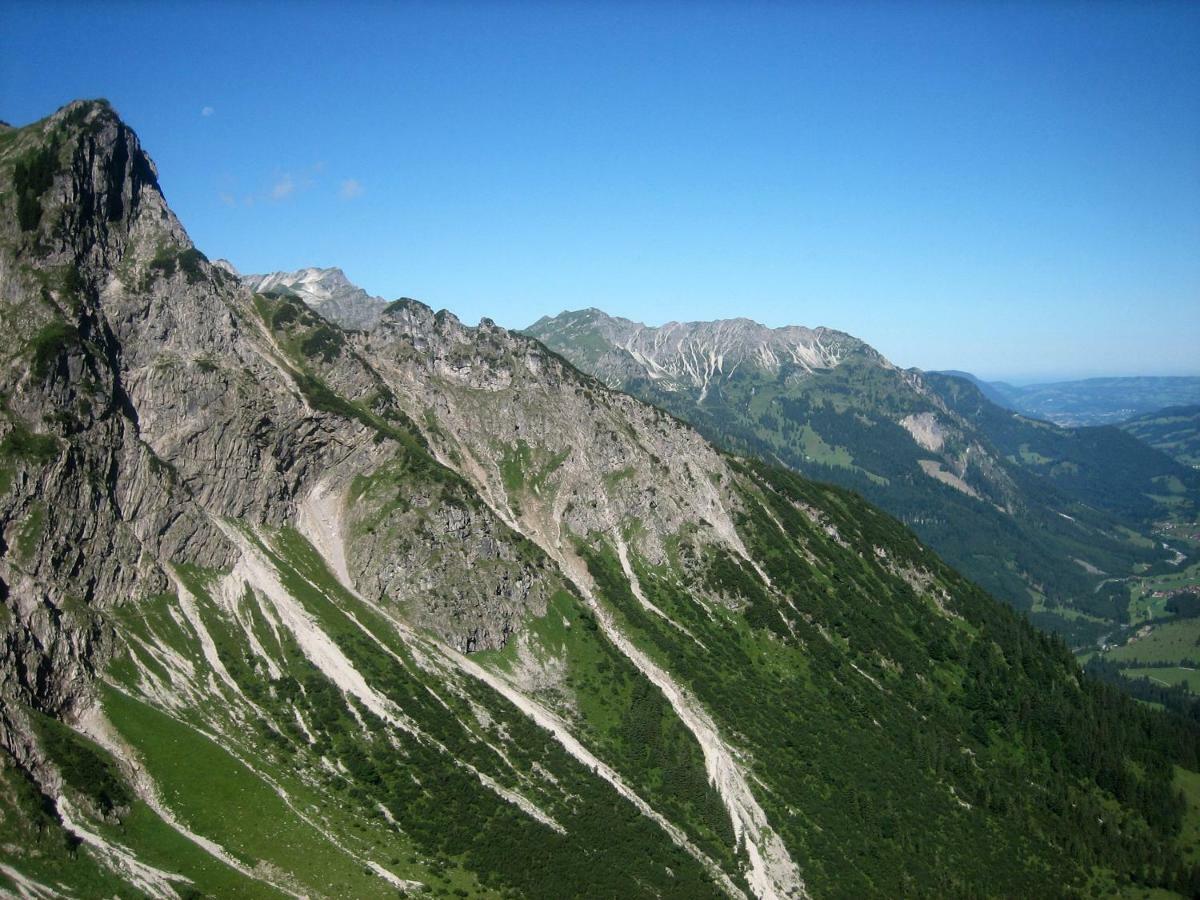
(321, 523)
(772, 874)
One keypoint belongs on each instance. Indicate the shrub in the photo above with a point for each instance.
(164, 261)
(169, 259)
(32, 177)
(84, 768)
(49, 343)
(323, 341)
(21, 443)
(284, 314)
(189, 263)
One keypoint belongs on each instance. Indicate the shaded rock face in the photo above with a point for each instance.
(88, 507)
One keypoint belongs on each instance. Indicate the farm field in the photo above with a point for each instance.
(1168, 642)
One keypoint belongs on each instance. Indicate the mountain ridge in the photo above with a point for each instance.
(696, 352)
(923, 446)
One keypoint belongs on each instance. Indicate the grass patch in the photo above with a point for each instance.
(218, 797)
(523, 467)
(1168, 642)
(1167, 676)
(160, 845)
(30, 532)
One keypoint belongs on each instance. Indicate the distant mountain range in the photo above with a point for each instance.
(1037, 513)
(1092, 401)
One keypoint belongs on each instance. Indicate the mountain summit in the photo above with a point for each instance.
(328, 291)
(293, 610)
(692, 355)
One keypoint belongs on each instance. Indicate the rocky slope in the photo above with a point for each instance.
(295, 610)
(1036, 513)
(691, 356)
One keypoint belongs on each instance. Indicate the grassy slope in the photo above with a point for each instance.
(883, 758)
(1175, 431)
(879, 766)
(1167, 642)
(454, 834)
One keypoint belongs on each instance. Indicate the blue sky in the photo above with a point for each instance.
(1008, 188)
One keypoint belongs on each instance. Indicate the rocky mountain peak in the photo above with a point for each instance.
(86, 192)
(328, 291)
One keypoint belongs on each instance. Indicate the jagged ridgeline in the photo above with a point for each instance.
(293, 610)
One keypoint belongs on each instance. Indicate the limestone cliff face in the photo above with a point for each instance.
(144, 401)
(89, 509)
(150, 396)
(558, 451)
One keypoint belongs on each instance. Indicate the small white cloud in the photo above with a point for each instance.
(284, 187)
(227, 199)
(207, 111)
(350, 189)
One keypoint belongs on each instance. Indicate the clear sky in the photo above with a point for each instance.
(1008, 188)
